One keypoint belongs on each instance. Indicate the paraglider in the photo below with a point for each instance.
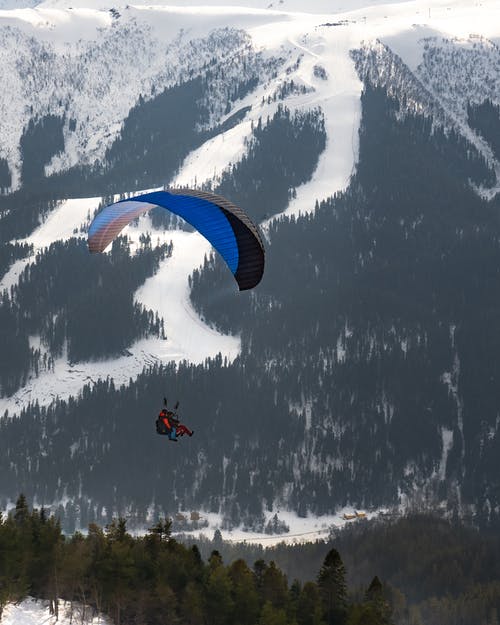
(168, 424)
(224, 225)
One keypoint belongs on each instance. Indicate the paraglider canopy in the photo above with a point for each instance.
(224, 225)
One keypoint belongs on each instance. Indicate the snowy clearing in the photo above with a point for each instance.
(301, 529)
(29, 611)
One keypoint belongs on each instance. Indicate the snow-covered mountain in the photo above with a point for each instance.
(90, 66)
(16, 4)
(79, 74)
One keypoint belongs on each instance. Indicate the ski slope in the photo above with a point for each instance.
(166, 293)
(314, 41)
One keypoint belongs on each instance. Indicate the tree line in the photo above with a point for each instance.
(434, 572)
(155, 579)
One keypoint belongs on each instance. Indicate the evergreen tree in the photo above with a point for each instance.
(271, 615)
(333, 589)
(377, 602)
(193, 604)
(244, 594)
(274, 588)
(309, 606)
(219, 592)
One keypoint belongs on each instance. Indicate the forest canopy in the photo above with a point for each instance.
(154, 578)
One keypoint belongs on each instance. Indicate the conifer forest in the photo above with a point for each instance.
(156, 578)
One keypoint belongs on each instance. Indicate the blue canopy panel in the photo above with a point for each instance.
(222, 223)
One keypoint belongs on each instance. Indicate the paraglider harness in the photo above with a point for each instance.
(167, 420)
(161, 426)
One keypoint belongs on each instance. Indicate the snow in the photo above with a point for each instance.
(29, 611)
(301, 529)
(17, 4)
(167, 292)
(150, 45)
(313, 6)
(61, 224)
(213, 157)
(447, 444)
(338, 96)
